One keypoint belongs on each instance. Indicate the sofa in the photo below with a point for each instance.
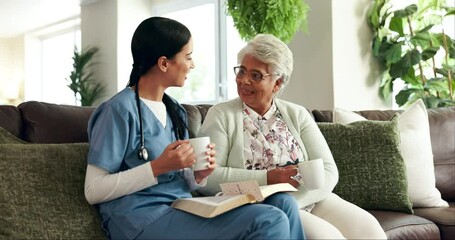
(42, 165)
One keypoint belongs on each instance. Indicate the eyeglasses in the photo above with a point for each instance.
(253, 75)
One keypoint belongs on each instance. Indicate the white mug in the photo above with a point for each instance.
(312, 174)
(200, 148)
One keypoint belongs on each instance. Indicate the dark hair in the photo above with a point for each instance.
(153, 38)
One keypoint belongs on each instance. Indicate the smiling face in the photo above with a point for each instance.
(258, 95)
(180, 65)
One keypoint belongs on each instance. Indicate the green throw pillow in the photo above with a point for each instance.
(7, 137)
(42, 193)
(372, 173)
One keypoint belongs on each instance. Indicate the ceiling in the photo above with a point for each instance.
(20, 16)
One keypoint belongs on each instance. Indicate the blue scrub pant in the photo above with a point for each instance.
(289, 206)
(253, 221)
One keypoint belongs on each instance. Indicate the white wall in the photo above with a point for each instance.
(355, 75)
(99, 29)
(130, 14)
(333, 67)
(311, 83)
(11, 70)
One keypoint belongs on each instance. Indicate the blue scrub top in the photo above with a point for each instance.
(114, 137)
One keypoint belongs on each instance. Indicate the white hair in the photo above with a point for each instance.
(273, 52)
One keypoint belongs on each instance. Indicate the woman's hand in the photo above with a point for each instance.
(201, 174)
(177, 155)
(282, 175)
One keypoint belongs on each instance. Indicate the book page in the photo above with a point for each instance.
(252, 187)
(245, 187)
(268, 190)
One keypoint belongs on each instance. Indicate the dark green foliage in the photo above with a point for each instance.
(281, 18)
(81, 80)
(411, 47)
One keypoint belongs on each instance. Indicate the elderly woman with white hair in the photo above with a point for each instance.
(260, 137)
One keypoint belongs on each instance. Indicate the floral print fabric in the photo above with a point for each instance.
(268, 141)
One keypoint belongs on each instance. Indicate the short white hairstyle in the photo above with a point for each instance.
(273, 52)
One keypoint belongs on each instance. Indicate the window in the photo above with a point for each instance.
(57, 53)
(49, 56)
(216, 43)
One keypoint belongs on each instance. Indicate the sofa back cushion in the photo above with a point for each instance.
(196, 114)
(10, 120)
(53, 123)
(442, 132)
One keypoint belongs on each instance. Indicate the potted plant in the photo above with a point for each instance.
(81, 81)
(412, 47)
(281, 18)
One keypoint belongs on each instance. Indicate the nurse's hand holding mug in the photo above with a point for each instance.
(197, 153)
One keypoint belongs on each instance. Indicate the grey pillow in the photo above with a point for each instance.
(42, 193)
(7, 137)
(372, 173)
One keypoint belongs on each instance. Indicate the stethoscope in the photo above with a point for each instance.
(143, 154)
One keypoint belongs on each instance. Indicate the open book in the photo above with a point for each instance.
(232, 196)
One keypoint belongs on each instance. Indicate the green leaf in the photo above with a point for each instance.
(81, 78)
(414, 57)
(425, 29)
(386, 87)
(429, 53)
(452, 52)
(376, 46)
(436, 85)
(402, 97)
(396, 24)
(279, 18)
(400, 68)
(393, 54)
(373, 14)
(421, 39)
(411, 78)
(450, 11)
(431, 101)
(408, 11)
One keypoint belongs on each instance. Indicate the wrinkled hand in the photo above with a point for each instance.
(201, 174)
(177, 155)
(282, 175)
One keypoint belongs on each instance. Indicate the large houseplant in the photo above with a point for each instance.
(282, 18)
(81, 81)
(412, 47)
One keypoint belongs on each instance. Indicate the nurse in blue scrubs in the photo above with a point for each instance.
(139, 158)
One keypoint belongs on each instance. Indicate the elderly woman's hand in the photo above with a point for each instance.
(283, 175)
(201, 174)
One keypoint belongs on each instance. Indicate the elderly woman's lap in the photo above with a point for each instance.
(351, 221)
